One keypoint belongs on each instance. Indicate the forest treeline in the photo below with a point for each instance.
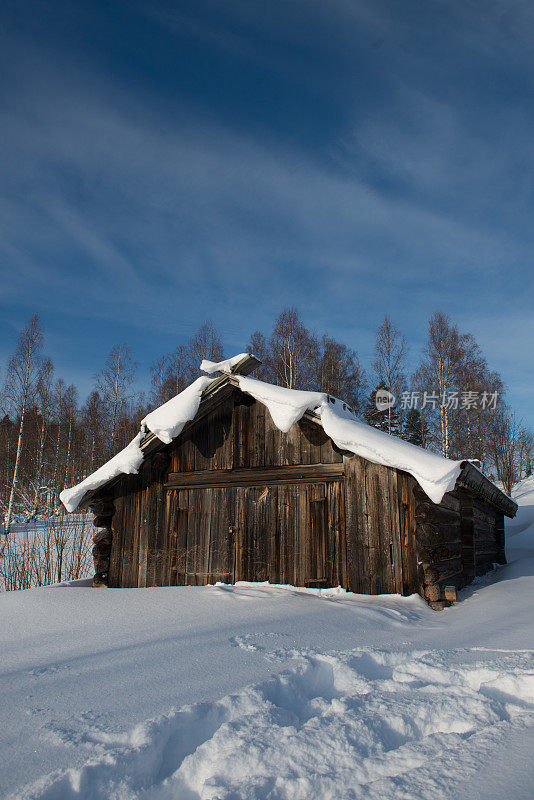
(452, 403)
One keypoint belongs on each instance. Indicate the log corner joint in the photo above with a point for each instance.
(102, 508)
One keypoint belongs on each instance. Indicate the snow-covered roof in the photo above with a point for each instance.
(435, 474)
(165, 422)
(222, 366)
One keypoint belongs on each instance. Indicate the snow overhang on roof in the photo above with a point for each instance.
(436, 475)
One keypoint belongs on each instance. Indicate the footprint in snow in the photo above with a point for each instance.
(359, 724)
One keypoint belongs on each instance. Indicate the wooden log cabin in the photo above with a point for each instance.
(233, 497)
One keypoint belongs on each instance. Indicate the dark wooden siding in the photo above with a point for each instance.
(456, 540)
(485, 536)
(233, 498)
(283, 534)
(288, 527)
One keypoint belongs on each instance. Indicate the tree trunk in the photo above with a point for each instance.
(65, 483)
(9, 512)
(39, 464)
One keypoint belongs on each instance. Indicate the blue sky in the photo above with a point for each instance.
(165, 162)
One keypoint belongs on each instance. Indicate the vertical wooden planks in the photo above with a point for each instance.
(169, 522)
(132, 524)
(204, 502)
(411, 581)
(356, 525)
(149, 536)
(292, 445)
(241, 544)
(180, 507)
(194, 563)
(274, 533)
(377, 559)
(301, 529)
(395, 531)
(374, 559)
(256, 424)
(128, 497)
(220, 566)
(485, 536)
(312, 437)
(336, 570)
(240, 428)
(117, 541)
(258, 533)
(164, 541)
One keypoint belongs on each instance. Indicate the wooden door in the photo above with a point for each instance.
(282, 533)
(322, 531)
(201, 524)
(256, 534)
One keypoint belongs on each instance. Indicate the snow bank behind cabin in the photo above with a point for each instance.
(165, 422)
(520, 530)
(435, 474)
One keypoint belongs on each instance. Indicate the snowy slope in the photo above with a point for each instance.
(520, 529)
(256, 691)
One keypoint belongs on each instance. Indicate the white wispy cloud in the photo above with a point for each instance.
(152, 211)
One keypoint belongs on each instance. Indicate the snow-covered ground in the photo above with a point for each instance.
(271, 692)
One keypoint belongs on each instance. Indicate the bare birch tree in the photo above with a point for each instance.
(525, 453)
(168, 375)
(293, 351)
(171, 373)
(58, 400)
(71, 406)
(92, 421)
(20, 385)
(338, 372)
(176, 374)
(44, 401)
(113, 383)
(442, 353)
(419, 382)
(391, 349)
(259, 346)
(206, 343)
(505, 445)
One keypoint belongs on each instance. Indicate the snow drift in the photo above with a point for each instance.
(271, 692)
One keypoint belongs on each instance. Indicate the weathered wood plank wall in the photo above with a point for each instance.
(234, 498)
